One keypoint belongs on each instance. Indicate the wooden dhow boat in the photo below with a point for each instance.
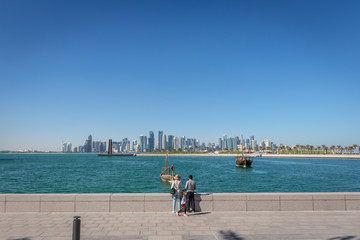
(167, 173)
(244, 161)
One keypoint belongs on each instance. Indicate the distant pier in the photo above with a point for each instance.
(110, 154)
(117, 155)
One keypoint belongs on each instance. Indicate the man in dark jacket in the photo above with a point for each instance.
(190, 189)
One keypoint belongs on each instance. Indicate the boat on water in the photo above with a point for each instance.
(167, 172)
(244, 161)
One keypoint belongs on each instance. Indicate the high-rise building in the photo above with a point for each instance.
(229, 144)
(66, 147)
(125, 145)
(182, 142)
(225, 141)
(99, 146)
(103, 146)
(143, 143)
(137, 148)
(164, 143)
(171, 142)
(160, 140)
(151, 145)
(88, 144)
(134, 144)
(81, 149)
(177, 144)
(237, 140)
(234, 144)
(267, 143)
(253, 144)
(116, 146)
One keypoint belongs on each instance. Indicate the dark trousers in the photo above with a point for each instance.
(191, 201)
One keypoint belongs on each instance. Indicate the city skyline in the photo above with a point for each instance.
(170, 142)
(283, 70)
(182, 143)
(167, 143)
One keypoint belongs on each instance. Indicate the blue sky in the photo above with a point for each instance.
(284, 70)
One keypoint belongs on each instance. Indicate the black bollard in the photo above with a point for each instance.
(76, 228)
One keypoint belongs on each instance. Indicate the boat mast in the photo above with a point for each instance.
(166, 163)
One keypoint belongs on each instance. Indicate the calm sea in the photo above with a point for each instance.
(88, 173)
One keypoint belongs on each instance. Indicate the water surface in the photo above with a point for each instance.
(88, 173)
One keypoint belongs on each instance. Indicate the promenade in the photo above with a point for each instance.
(329, 225)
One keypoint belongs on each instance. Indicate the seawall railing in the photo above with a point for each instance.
(162, 202)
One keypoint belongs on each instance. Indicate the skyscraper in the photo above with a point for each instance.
(253, 144)
(151, 141)
(237, 140)
(88, 144)
(234, 144)
(164, 143)
(143, 143)
(267, 143)
(182, 142)
(125, 145)
(229, 144)
(177, 143)
(134, 144)
(171, 142)
(225, 141)
(99, 146)
(160, 140)
(66, 147)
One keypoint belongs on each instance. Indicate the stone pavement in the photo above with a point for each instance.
(330, 225)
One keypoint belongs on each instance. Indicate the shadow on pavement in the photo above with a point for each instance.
(230, 235)
(200, 213)
(198, 199)
(344, 238)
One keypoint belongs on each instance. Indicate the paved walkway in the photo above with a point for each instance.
(334, 225)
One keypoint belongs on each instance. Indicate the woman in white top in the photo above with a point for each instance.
(176, 184)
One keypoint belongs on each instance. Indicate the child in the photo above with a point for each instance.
(183, 202)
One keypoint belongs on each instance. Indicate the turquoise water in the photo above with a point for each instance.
(88, 173)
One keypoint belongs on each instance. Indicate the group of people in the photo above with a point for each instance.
(185, 198)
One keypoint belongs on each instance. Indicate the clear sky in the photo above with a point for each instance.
(284, 70)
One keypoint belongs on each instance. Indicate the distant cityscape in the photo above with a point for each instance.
(165, 142)
(171, 143)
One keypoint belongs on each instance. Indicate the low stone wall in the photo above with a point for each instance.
(162, 202)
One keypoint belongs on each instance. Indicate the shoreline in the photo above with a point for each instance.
(324, 156)
(263, 155)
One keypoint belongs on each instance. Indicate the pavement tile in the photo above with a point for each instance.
(169, 237)
(205, 237)
(134, 233)
(218, 225)
(163, 232)
(147, 233)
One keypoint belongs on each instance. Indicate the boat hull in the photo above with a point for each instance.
(167, 178)
(244, 162)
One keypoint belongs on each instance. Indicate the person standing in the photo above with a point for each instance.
(190, 187)
(176, 184)
(183, 202)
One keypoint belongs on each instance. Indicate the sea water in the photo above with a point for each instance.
(88, 173)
